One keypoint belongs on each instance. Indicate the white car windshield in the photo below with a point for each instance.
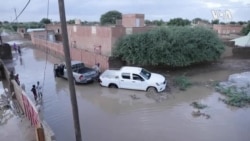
(146, 74)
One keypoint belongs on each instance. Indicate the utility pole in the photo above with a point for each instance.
(69, 71)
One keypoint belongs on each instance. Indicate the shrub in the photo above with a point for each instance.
(234, 97)
(170, 46)
(182, 82)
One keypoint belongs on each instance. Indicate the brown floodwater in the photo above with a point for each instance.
(113, 115)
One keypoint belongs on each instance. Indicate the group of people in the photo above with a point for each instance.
(37, 91)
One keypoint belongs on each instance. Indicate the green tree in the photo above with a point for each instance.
(179, 22)
(232, 22)
(148, 22)
(45, 21)
(158, 22)
(246, 29)
(216, 21)
(174, 46)
(110, 17)
(241, 22)
(196, 20)
(71, 21)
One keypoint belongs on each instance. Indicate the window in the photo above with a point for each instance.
(146, 74)
(74, 68)
(126, 75)
(137, 77)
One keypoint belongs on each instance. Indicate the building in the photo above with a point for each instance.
(227, 29)
(243, 41)
(90, 44)
(101, 39)
(204, 24)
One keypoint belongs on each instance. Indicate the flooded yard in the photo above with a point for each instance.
(114, 115)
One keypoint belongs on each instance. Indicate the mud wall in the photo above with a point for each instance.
(241, 52)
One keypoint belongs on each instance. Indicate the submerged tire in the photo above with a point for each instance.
(151, 90)
(113, 86)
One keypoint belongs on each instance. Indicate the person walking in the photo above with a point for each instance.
(39, 89)
(34, 91)
(96, 67)
(19, 50)
(14, 47)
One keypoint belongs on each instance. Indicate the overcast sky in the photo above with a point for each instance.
(91, 10)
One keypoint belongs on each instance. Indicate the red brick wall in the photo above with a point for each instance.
(227, 29)
(89, 58)
(102, 38)
(141, 29)
(54, 27)
(129, 20)
(91, 37)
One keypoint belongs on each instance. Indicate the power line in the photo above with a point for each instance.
(46, 52)
(21, 11)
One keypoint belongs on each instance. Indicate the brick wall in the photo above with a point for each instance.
(90, 37)
(133, 20)
(227, 29)
(89, 58)
(99, 39)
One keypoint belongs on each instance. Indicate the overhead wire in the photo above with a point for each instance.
(46, 51)
(21, 11)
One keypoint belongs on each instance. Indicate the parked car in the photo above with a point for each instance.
(135, 78)
(81, 73)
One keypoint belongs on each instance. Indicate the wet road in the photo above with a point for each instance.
(112, 115)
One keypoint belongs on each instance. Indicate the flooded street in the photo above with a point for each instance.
(112, 115)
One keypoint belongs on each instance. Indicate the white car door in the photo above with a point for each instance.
(138, 83)
(125, 81)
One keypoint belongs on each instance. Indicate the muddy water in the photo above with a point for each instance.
(112, 115)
